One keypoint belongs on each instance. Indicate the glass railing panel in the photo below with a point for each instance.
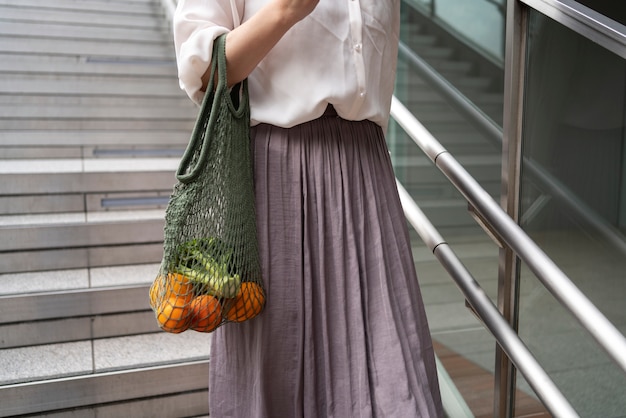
(574, 126)
(478, 23)
(477, 77)
(459, 337)
(457, 333)
(462, 343)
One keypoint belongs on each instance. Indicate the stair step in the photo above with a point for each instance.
(75, 258)
(22, 208)
(69, 152)
(33, 64)
(90, 48)
(88, 165)
(73, 112)
(441, 66)
(436, 53)
(68, 219)
(41, 124)
(117, 17)
(179, 103)
(87, 176)
(186, 404)
(30, 299)
(81, 139)
(32, 30)
(444, 213)
(101, 356)
(107, 391)
(99, 229)
(143, 7)
(98, 302)
(99, 86)
(56, 331)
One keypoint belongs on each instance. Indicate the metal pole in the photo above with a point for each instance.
(509, 264)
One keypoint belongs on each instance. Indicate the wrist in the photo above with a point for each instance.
(284, 15)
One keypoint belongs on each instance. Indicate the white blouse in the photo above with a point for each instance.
(344, 53)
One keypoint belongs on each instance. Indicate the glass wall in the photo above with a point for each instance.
(573, 136)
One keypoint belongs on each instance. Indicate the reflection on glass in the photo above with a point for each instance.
(480, 22)
(610, 8)
(574, 124)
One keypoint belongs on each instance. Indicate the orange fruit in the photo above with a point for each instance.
(173, 315)
(155, 291)
(206, 313)
(166, 287)
(248, 303)
(178, 285)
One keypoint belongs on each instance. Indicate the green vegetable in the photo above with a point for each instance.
(209, 263)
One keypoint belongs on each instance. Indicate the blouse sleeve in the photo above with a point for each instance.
(196, 25)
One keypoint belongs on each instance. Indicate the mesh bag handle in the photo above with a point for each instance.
(197, 150)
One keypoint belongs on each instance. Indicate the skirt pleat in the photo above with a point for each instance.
(344, 331)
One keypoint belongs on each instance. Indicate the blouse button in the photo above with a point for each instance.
(358, 47)
(362, 93)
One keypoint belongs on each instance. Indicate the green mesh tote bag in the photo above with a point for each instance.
(210, 273)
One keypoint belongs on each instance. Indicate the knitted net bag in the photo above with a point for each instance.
(210, 272)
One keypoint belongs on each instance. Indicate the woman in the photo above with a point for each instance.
(344, 332)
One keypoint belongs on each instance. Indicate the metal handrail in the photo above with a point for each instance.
(561, 287)
(510, 342)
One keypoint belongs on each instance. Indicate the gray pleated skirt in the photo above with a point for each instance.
(343, 333)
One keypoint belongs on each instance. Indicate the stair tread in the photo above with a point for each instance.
(72, 5)
(76, 112)
(64, 219)
(178, 389)
(71, 65)
(75, 279)
(34, 30)
(67, 137)
(88, 84)
(37, 363)
(89, 47)
(87, 165)
(114, 18)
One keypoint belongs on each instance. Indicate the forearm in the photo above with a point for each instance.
(250, 42)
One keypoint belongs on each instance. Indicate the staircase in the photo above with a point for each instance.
(92, 125)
